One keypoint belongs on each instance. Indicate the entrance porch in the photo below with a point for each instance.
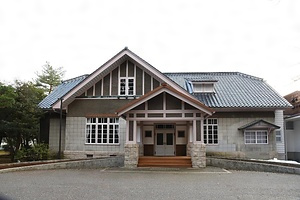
(164, 123)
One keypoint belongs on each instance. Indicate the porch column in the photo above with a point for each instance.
(131, 147)
(198, 150)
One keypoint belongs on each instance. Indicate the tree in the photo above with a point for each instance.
(19, 122)
(7, 96)
(50, 77)
(7, 100)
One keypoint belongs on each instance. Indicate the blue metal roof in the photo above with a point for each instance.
(233, 90)
(60, 91)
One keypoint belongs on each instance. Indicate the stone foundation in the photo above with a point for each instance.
(188, 149)
(90, 154)
(198, 155)
(131, 155)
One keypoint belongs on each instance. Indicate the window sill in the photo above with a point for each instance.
(97, 144)
(255, 143)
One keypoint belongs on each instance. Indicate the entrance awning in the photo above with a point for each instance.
(173, 92)
(259, 124)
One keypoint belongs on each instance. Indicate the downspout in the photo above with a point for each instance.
(60, 128)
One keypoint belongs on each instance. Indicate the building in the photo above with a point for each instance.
(128, 107)
(292, 126)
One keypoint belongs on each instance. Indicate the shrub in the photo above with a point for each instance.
(34, 153)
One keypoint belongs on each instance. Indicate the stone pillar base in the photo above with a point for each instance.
(131, 155)
(198, 155)
(189, 149)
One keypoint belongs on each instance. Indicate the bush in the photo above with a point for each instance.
(34, 153)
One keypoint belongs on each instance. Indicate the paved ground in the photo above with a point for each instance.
(209, 183)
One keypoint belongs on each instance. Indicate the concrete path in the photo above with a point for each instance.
(148, 183)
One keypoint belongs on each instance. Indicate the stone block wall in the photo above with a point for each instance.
(54, 134)
(232, 144)
(131, 155)
(198, 155)
(75, 141)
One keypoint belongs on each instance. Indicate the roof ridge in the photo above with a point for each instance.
(200, 72)
(75, 78)
(250, 76)
(219, 73)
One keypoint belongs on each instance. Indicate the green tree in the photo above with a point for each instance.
(7, 96)
(7, 101)
(20, 122)
(50, 77)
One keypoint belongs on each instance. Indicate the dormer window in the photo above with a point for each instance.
(203, 86)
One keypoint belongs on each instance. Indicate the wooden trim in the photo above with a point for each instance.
(95, 115)
(172, 91)
(143, 82)
(110, 83)
(94, 90)
(102, 83)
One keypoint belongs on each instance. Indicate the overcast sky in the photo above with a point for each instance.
(256, 37)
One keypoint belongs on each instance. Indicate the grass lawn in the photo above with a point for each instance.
(3, 153)
(4, 157)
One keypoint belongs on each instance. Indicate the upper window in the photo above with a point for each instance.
(210, 127)
(256, 137)
(127, 86)
(102, 131)
(127, 72)
(203, 87)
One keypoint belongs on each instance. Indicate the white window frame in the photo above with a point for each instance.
(97, 128)
(213, 124)
(127, 86)
(256, 138)
(278, 136)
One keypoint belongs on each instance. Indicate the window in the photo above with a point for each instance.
(127, 86)
(181, 134)
(278, 136)
(289, 125)
(148, 133)
(210, 127)
(102, 131)
(203, 87)
(256, 137)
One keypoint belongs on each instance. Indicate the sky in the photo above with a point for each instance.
(255, 37)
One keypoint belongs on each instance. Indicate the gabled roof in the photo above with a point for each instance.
(60, 91)
(109, 66)
(259, 124)
(233, 90)
(165, 88)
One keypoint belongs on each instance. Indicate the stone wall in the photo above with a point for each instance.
(253, 166)
(231, 140)
(198, 155)
(131, 155)
(54, 134)
(75, 146)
